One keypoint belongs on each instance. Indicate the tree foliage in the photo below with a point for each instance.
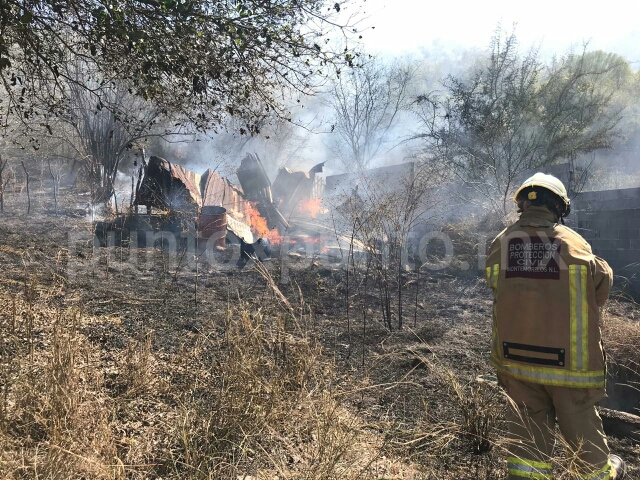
(514, 113)
(204, 60)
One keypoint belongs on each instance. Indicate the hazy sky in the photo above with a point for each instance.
(403, 26)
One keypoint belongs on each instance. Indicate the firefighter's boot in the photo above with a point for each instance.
(619, 466)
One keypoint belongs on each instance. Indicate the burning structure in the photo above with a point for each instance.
(209, 202)
(296, 191)
(180, 200)
(256, 188)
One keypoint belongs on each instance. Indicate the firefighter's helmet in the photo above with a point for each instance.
(548, 182)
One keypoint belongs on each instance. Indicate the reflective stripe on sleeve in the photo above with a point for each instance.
(585, 318)
(494, 330)
(492, 275)
(606, 473)
(579, 317)
(492, 279)
(519, 467)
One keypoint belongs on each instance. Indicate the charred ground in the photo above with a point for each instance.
(147, 371)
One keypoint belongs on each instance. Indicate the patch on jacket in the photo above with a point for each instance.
(534, 354)
(534, 257)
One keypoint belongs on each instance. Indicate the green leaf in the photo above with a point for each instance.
(26, 18)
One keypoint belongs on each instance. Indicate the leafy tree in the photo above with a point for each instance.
(514, 114)
(206, 60)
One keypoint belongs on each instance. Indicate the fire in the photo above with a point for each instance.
(311, 206)
(259, 224)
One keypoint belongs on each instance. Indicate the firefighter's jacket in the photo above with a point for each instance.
(547, 287)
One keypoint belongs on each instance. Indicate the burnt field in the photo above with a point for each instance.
(121, 366)
(248, 240)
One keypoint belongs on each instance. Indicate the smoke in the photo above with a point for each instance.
(309, 137)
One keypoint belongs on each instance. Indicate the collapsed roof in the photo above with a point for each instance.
(172, 187)
(257, 188)
(251, 208)
(169, 187)
(290, 187)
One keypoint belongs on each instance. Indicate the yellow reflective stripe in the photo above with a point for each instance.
(492, 280)
(573, 295)
(606, 473)
(494, 330)
(529, 463)
(579, 309)
(550, 376)
(492, 275)
(529, 468)
(516, 472)
(585, 319)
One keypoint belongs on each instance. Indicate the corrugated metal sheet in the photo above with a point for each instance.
(191, 180)
(218, 191)
(257, 188)
(291, 184)
(254, 179)
(294, 188)
(167, 186)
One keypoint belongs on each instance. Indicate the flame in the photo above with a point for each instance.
(311, 206)
(259, 224)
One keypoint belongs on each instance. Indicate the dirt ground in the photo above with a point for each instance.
(114, 368)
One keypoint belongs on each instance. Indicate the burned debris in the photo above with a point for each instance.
(166, 186)
(257, 188)
(221, 193)
(294, 189)
(210, 207)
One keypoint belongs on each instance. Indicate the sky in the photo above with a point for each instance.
(407, 26)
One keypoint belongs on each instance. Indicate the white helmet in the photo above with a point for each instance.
(549, 182)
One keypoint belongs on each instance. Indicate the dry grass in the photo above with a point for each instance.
(251, 398)
(131, 386)
(55, 413)
(621, 336)
(476, 410)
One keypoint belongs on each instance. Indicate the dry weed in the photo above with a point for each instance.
(262, 407)
(477, 407)
(621, 338)
(54, 416)
(137, 368)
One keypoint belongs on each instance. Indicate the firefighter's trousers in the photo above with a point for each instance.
(532, 416)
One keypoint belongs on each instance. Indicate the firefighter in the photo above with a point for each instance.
(548, 288)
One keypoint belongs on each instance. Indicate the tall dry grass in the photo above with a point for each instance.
(54, 409)
(251, 397)
(621, 335)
